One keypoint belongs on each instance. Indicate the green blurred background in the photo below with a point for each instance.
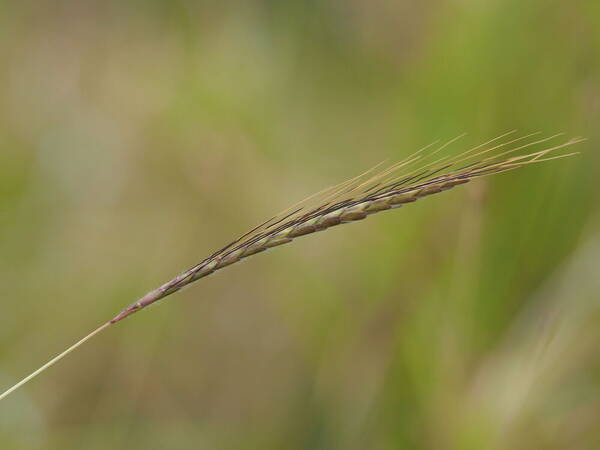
(138, 137)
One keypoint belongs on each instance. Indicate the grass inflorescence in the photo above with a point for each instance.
(421, 174)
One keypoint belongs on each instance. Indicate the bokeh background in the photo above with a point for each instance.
(138, 137)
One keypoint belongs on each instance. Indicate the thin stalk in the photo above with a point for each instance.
(54, 360)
